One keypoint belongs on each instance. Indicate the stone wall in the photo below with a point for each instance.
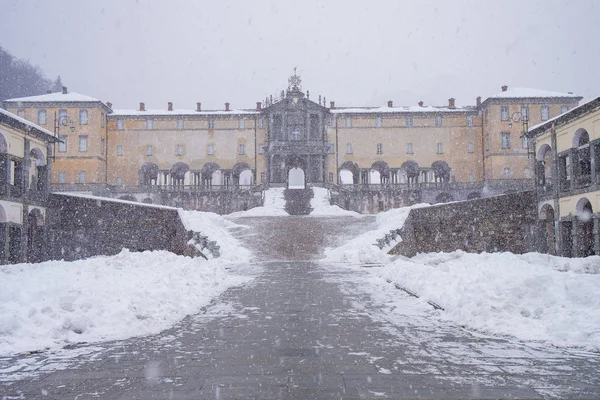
(494, 224)
(80, 227)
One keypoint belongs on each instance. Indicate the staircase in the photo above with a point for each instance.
(297, 201)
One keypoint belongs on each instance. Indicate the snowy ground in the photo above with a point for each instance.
(273, 206)
(321, 206)
(531, 297)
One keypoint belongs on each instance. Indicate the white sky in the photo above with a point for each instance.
(354, 52)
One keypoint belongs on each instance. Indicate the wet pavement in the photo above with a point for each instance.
(306, 330)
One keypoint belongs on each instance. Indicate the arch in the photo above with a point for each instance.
(585, 228)
(242, 174)
(544, 149)
(543, 167)
(209, 168)
(37, 154)
(147, 200)
(210, 172)
(473, 196)
(149, 172)
(240, 167)
(384, 171)
(2, 215)
(3, 144)
(127, 197)
(444, 197)
(580, 138)
(441, 171)
(246, 177)
(353, 169)
(296, 178)
(412, 170)
(178, 170)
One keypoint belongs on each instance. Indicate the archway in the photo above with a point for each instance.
(349, 173)
(411, 169)
(441, 171)
(149, 174)
(547, 226)
(582, 162)
(585, 228)
(380, 172)
(178, 171)
(242, 174)
(444, 197)
(35, 236)
(38, 172)
(211, 174)
(296, 178)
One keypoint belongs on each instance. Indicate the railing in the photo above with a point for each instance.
(494, 184)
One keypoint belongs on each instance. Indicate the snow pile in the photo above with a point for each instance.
(321, 207)
(274, 206)
(531, 296)
(217, 229)
(51, 304)
(361, 249)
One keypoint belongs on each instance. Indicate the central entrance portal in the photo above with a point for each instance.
(296, 178)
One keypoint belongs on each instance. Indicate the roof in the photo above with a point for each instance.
(565, 117)
(27, 123)
(166, 113)
(56, 97)
(526, 93)
(401, 109)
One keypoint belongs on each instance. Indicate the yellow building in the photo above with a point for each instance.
(567, 150)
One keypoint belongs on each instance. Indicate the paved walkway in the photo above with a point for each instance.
(302, 330)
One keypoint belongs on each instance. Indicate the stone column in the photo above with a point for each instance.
(597, 235)
(593, 163)
(574, 237)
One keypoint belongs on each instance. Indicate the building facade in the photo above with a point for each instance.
(136, 152)
(567, 174)
(25, 165)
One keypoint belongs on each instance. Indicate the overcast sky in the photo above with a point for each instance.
(357, 53)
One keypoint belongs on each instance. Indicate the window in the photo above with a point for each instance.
(261, 148)
(241, 123)
(409, 120)
(211, 149)
(62, 117)
(260, 123)
(469, 120)
(83, 117)
(120, 124)
(62, 177)
(149, 150)
(348, 121)
(102, 118)
(179, 124)
(486, 115)
(524, 113)
(81, 177)
(263, 177)
(149, 124)
(179, 149)
(470, 147)
(330, 148)
(62, 145)
(378, 122)
(119, 150)
(504, 113)
(242, 149)
(506, 140)
(409, 148)
(564, 109)
(545, 112)
(331, 177)
(330, 122)
(524, 142)
(42, 117)
(119, 181)
(348, 148)
(438, 120)
(379, 148)
(440, 148)
(83, 142)
(211, 124)
(507, 173)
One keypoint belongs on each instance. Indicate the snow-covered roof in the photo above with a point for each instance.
(567, 116)
(27, 123)
(523, 93)
(55, 97)
(401, 109)
(166, 113)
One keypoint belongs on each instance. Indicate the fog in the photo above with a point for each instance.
(355, 53)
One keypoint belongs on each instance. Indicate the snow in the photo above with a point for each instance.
(361, 249)
(321, 206)
(519, 92)
(55, 97)
(51, 304)
(83, 195)
(549, 122)
(531, 296)
(27, 123)
(182, 112)
(401, 109)
(273, 206)
(218, 229)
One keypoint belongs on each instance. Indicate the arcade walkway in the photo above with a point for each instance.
(307, 330)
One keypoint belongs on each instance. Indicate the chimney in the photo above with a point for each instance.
(198, 106)
(451, 103)
(226, 106)
(65, 90)
(170, 106)
(109, 105)
(504, 88)
(258, 106)
(478, 100)
(390, 103)
(142, 106)
(332, 105)
(420, 104)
